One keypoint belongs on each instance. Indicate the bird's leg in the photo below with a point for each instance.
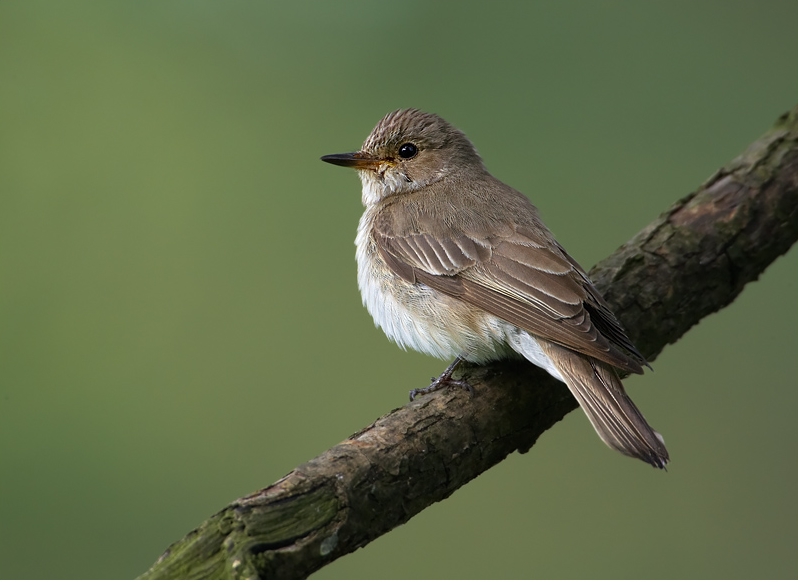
(444, 380)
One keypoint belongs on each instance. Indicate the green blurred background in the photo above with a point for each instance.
(179, 319)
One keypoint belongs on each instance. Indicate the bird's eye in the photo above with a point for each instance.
(407, 151)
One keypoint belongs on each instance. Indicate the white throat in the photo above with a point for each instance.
(390, 180)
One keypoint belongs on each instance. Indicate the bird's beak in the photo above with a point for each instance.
(356, 160)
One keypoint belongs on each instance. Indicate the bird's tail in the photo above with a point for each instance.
(614, 416)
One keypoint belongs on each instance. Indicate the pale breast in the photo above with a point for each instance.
(415, 316)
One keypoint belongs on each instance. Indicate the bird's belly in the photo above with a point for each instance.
(418, 317)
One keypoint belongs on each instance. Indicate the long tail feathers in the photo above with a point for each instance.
(614, 416)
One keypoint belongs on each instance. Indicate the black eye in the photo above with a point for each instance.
(407, 151)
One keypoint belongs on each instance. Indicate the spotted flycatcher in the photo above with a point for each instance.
(456, 264)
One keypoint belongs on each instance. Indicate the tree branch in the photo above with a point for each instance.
(691, 261)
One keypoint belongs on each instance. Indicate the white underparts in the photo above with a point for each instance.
(417, 317)
(527, 346)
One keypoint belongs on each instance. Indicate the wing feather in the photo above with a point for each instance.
(538, 288)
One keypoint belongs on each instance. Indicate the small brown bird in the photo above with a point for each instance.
(456, 264)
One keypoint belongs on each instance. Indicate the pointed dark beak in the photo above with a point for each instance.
(357, 160)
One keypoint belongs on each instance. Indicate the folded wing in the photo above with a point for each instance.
(522, 278)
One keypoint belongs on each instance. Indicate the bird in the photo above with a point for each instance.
(454, 263)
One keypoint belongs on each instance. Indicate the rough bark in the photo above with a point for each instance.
(691, 261)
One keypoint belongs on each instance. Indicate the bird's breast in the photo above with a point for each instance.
(415, 316)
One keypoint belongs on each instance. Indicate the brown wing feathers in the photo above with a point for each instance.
(525, 284)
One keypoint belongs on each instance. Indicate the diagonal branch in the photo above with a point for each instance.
(690, 262)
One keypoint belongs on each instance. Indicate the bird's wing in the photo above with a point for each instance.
(519, 277)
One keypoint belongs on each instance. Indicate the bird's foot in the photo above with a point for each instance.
(443, 381)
